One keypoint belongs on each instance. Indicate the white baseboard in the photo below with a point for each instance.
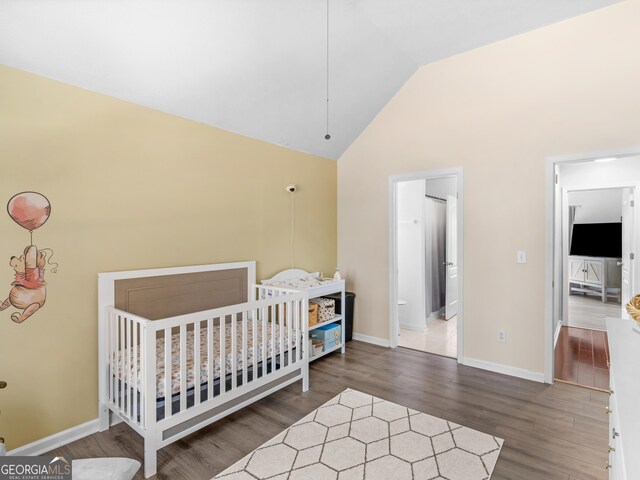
(415, 328)
(57, 440)
(504, 369)
(557, 334)
(368, 339)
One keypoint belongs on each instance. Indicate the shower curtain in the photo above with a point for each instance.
(435, 244)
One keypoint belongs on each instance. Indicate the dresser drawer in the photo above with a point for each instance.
(616, 459)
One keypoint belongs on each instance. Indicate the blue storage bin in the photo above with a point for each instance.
(330, 334)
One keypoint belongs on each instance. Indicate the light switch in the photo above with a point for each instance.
(521, 256)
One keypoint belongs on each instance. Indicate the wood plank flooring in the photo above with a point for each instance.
(582, 358)
(591, 312)
(551, 431)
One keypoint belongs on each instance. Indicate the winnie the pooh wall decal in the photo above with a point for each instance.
(28, 292)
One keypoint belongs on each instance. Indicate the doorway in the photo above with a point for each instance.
(426, 251)
(594, 239)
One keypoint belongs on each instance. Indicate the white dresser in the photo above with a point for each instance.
(595, 274)
(624, 402)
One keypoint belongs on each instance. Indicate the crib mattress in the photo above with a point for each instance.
(175, 355)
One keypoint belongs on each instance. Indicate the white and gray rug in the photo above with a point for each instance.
(356, 436)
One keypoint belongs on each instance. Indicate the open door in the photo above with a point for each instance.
(451, 295)
(627, 250)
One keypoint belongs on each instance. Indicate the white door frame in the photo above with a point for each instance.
(393, 248)
(551, 164)
(564, 192)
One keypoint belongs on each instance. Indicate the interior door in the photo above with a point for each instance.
(627, 242)
(451, 292)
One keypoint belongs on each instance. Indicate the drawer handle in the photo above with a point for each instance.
(607, 410)
(3, 384)
(611, 449)
(607, 466)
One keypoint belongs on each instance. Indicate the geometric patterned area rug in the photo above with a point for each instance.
(356, 436)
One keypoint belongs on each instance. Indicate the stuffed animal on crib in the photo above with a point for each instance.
(28, 292)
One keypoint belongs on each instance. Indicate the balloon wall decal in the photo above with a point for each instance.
(28, 292)
(30, 210)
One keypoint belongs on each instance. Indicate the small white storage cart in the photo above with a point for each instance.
(327, 286)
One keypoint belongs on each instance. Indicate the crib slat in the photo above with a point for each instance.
(116, 345)
(234, 351)
(244, 347)
(135, 372)
(274, 317)
(109, 355)
(196, 363)
(292, 333)
(300, 338)
(210, 359)
(300, 330)
(263, 343)
(150, 368)
(129, 364)
(291, 319)
(121, 387)
(254, 328)
(143, 393)
(113, 358)
(265, 311)
(183, 367)
(223, 356)
(168, 373)
(282, 308)
(302, 341)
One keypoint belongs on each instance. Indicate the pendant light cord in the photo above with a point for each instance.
(292, 229)
(327, 136)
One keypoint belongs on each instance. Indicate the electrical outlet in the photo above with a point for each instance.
(502, 336)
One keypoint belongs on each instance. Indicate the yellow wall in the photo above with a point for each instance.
(498, 112)
(131, 188)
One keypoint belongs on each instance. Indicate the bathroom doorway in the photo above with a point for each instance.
(426, 259)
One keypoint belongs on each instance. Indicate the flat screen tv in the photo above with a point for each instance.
(597, 240)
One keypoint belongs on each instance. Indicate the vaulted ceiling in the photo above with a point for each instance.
(258, 67)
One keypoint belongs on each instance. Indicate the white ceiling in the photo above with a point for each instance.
(257, 67)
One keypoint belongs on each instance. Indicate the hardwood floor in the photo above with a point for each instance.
(582, 358)
(551, 431)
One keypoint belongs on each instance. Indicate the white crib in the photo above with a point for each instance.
(219, 359)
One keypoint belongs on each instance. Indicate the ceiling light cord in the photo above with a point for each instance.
(327, 136)
(292, 229)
